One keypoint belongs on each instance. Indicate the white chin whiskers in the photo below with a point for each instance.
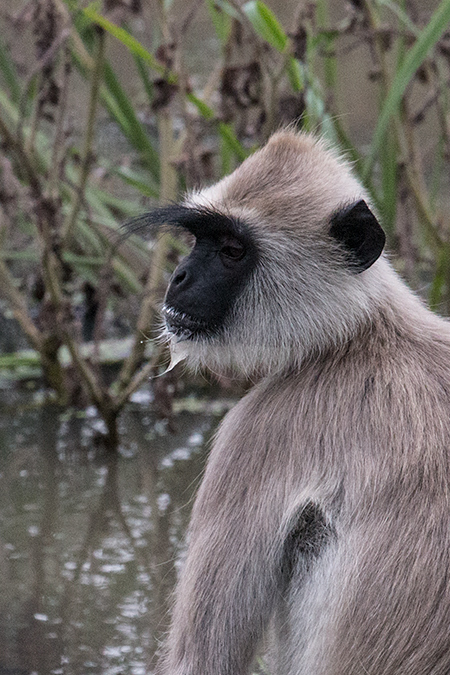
(179, 351)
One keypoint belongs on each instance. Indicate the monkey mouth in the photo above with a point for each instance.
(183, 326)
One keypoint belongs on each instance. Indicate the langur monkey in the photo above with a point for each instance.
(321, 531)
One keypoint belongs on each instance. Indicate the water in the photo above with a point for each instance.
(90, 544)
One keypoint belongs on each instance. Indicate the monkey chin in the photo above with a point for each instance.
(189, 349)
(179, 350)
(217, 356)
(200, 353)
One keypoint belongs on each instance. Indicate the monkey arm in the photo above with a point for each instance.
(233, 571)
(226, 594)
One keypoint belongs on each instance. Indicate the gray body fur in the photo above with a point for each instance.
(351, 415)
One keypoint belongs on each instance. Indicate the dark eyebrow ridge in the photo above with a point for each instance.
(198, 220)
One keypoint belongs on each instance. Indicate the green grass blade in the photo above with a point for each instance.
(227, 158)
(138, 136)
(202, 107)
(432, 32)
(27, 255)
(133, 45)
(133, 128)
(229, 137)
(220, 19)
(266, 24)
(137, 180)
(143, 74)
(295, 74)
(8, 70)
(127, 208)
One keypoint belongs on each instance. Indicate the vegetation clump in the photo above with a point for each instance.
(66, 275)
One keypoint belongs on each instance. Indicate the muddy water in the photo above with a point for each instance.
(90, 543)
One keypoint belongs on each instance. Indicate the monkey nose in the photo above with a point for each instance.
(179, 277)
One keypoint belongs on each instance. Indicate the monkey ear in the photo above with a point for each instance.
(357, 229)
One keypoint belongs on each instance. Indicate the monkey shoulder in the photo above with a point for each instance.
(255, 437)
(383, 397)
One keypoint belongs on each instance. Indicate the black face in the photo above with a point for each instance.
(206, 284)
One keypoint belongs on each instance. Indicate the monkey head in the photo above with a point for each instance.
(282, 262)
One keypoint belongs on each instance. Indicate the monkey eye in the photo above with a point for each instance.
(232, 249)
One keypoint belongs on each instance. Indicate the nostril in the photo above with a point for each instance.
(179, 277)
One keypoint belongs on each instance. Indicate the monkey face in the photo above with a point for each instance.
(205, 286)
(281, 267)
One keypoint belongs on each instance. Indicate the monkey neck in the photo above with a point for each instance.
(396, 324)
(403, 312)
(385, 319)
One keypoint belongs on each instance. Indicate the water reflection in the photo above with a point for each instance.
(89, 543)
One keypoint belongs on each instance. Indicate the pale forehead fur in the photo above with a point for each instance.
(294, 180)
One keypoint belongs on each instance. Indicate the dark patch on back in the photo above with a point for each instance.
(305, 541)
(369, 386)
